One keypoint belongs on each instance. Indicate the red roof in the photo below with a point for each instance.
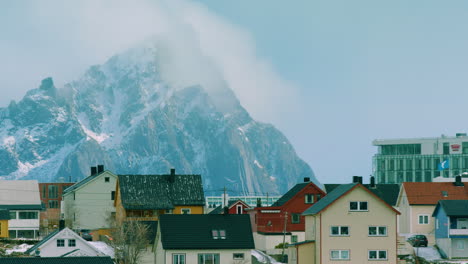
(429, 193)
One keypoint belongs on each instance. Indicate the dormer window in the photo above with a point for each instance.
(218, 234)
(309, 198)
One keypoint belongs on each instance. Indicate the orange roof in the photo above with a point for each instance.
(430, 193)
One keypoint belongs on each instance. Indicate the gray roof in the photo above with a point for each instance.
(153, 192)
(195, 231)
(19, 193)
(329, 199)
(290, 194)
(453, 207)
(387, 192)
(83, 182)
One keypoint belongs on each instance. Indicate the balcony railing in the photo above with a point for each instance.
(458, 232)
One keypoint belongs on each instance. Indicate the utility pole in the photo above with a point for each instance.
(284, 234)
(224, 197)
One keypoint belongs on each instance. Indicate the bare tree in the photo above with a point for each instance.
(129, 239)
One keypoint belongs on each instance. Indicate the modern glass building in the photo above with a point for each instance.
(420, 159)
(215, 201)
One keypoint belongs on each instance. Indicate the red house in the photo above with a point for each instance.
(51, 196)
(234, 207)
(284, 218)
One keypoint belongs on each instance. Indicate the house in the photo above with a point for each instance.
(417, 201)
(350, 224)
(233, 207)
(89, 203)
(203, 239)
(62, 260)
(283, 220)
(63, 243)
(21, 198)
(51, 198)
(146, 197)
(4, 217)
(451, 228)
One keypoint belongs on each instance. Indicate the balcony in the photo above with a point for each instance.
(458, 232)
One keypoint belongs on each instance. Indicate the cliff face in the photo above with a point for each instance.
(124, 115)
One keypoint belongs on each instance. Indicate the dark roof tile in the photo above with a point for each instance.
(58, 260)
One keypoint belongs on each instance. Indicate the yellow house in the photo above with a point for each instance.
(351, 224)
(146, 197)
(4, 217)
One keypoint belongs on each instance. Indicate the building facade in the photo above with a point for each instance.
(420, 159)
(51, 197)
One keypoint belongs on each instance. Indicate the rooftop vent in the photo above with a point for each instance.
(372, 182)
(306, 179)
(357, 179)
(93, 170)
(458, 181)
(100, 168)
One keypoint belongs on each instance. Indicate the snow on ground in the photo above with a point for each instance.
(103, 247)
(263, 258)
(428, 253)
(19, 248)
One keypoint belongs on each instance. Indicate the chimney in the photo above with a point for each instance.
(306, 179)
(100, 168)
(226, 210)
(61, 224)
(372, 182)
(458, 181)
(357, 179)
(93, 171)
(172, 175)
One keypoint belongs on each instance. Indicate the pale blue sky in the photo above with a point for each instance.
(363, 69)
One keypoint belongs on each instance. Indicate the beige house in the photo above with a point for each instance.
(417, 201)
(351, 224)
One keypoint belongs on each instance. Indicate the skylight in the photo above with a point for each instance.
(218, 234)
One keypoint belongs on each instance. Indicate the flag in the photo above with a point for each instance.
(443, 165)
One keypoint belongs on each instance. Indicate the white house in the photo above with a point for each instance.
(203, 239)
(22, 199)
(89, 203)
(65, 243)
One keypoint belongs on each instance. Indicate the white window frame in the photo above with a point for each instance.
(71, 242)
(239, 208)
(309, 198)
(339, 231)
(340, 253)
(216, 257)
(61, 244)
(293, 238)
(359, 205)
(295, 221)
(377, 231)
(188, 209)
(423, 215)
(178, 260)
(377, 255)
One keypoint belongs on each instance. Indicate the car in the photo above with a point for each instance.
(418, 241)
(86, 234)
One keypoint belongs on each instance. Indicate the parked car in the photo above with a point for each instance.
(418, 241)
(86, 234)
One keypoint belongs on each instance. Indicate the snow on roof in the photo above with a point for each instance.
(103, 247)
(19, 192)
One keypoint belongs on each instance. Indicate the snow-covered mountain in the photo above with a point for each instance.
(125, 115)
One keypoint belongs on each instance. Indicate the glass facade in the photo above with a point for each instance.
(417, 168)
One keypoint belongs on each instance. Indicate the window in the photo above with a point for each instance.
(71, 242)
(53, 191)
(53, 204)
(309, 198)
(318, 197)
(113, 195)
(185, 210)
(377, 230)
(238, 256)
(44, 191)
(208, 258)
(178, 258)
(293, 239)
(339, 231)
(106, 179)
(168, 211)
(28, 215)
(339, 254)
(218, 234)
(377, 254)
(446, 148)
(295, 218)
(423, 219)
(12, 214)
(358, 206)
(60, 242)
